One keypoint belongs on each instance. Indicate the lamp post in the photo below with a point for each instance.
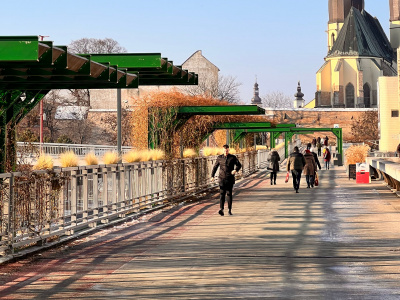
(41, 37)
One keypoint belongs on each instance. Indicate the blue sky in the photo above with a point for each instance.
(279, 41)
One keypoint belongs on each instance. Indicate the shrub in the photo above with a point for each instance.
(64, 139)
(44, 162)
(111, 158)
(69, 159)
(189, 153)
(91, 159)
(356, 154)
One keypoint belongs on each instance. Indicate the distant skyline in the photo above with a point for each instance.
(280, 42)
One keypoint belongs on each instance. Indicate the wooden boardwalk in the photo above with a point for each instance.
(337, 241)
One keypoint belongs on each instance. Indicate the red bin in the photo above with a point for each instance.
(362, 173)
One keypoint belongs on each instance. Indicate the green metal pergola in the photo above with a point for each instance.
(290, 130)
(186, 112)
(30, 68)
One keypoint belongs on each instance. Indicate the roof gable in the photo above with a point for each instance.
(362, 35)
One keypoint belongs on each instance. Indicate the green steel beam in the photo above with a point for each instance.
(243, 125)
(222, 110)
(19, 48)
(135, 61)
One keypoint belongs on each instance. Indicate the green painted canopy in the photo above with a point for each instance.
(29, 64)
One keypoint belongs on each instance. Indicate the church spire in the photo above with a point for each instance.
(256, 98)
(299, 102)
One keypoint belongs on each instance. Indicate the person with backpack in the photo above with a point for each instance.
(327, 158)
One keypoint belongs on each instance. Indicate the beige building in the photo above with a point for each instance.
(105, 100)
(389, 107)
(359, 52)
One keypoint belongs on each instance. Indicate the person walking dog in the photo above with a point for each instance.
(273, 159)
(295, 164)
(228, 165)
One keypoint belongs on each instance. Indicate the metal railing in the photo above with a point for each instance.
(54, 149)
(45, 206)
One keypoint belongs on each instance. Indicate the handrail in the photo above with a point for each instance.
(34, 209)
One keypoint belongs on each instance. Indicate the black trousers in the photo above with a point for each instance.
(296, 174)
(273, 176)
(319, 152)
(225, 190)
(310, 180)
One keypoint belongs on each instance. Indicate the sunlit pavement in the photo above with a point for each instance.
(337, 241)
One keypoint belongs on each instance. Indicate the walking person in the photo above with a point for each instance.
(327, 158)
(273, 159)
(310, 167)
(315, 156)
(326, 141)
(228, 165)
(295, 164)
(314, 142)
(319, 146)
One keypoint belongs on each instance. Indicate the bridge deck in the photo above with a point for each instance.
(338, 241)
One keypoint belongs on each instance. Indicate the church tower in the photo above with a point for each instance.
(395, 23)
(338, 11)
(299, 102)
(256, 100)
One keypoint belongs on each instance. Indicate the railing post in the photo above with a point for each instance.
(85, 195)
(74, 191)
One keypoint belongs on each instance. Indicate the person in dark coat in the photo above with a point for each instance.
(228, 165)
(327, 158)
(295, 164)
(315, 155)
(273, 159)
(314, 142)
(310, 168)
(326, 141)
(319, 147)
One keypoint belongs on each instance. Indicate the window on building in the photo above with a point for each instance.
(350, 96)
(333, 39)
(395, 113)
(367, 95)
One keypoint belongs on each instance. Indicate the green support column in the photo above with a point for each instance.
(286, 144)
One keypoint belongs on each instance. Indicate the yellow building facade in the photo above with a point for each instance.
(359, 52)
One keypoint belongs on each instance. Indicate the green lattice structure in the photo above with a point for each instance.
(31, 68)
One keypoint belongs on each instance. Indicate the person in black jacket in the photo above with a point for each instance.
(273, 159)
(228, 165)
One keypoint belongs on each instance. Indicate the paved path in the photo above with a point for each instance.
(338, 241)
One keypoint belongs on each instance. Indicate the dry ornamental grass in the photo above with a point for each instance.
(44, 162)
(356, 154)
(69, 159)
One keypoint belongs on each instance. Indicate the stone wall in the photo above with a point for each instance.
(320, 118)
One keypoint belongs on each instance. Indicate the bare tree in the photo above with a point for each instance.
(277, 99)
(365, 128)
(110, 130)
(226, 89)
(96, 46)
(92, 46)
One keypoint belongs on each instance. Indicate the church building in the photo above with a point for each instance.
(359, 52)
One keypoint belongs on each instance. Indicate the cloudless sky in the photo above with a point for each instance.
(279, 41)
